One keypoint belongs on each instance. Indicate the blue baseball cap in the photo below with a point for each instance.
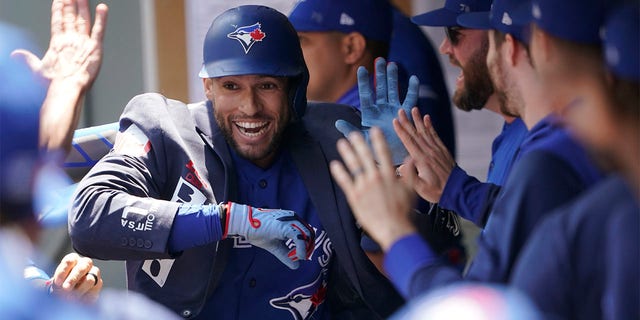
(447, 16)
(621, 46)
(500, 18)
(371, 18)
(572, 20)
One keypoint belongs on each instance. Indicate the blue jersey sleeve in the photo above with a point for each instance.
(195, 225)
(414, 268)
(539, 182)
(468, 197)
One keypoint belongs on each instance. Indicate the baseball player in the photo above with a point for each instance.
(448, 184)
(589, 251)
(206, 202)
(551, 169)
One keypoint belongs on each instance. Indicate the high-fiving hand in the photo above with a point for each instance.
(70, 65)
(386, 106)
(75, 49)
(379, 200)
(431, 158)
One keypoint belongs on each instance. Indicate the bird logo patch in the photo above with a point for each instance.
(248, 36)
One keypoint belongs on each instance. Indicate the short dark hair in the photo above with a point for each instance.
(498, 37)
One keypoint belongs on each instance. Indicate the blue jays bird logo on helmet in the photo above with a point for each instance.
(248, 35)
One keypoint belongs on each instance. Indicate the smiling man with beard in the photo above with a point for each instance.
(226, 208)
(443, 181)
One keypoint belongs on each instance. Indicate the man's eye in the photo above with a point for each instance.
(453, 34)
(268, 86)
(230, 86)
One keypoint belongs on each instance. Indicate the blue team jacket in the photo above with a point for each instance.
(472, 199)
(124, 207)
(551, 169)
(570, 267)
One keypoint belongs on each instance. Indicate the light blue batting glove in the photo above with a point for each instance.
(269, 229)
(386, 106)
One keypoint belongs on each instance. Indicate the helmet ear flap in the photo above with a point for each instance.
(298, 94)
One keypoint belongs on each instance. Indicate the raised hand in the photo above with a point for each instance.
(70, 64)
(379, 200)
(431, 159)
(269, 229)
(75, 50)
(386, 106)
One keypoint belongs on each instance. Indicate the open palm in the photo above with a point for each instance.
(75, 50)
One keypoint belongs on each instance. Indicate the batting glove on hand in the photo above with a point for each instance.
(385, 109)
(269, 229)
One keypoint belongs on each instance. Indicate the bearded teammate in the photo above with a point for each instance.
(178, 196)
(449, 185)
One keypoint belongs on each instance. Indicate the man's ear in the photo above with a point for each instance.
(208, 88)
(513, 49)
(353, 46)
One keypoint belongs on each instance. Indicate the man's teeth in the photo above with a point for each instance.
(252, 129)
(250, 125)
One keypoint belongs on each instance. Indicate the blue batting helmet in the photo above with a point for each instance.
(256, 40)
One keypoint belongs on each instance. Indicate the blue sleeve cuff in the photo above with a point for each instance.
(452, 188)
(405, 257)
(194, 225)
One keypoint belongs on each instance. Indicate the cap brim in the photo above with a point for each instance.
(437, 18)
(475, 20)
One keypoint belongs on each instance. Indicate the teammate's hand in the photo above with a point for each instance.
(70, 65)
(431, 158)
(75, 49)
(77, 277)
(269, 229)
(379, 200)
(386, 106)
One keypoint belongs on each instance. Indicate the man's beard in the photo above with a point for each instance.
(226, 127)
(477, 84)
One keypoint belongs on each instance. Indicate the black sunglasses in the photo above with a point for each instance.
(453, 34)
